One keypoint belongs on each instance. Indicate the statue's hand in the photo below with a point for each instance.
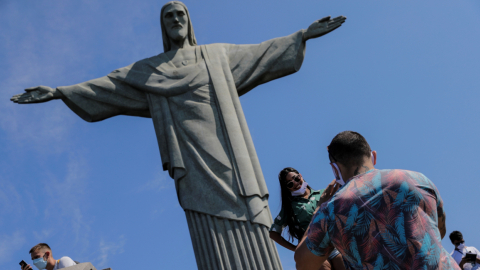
(37, 95)
(323, 26)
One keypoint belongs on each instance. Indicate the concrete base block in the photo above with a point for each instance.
(82, 266)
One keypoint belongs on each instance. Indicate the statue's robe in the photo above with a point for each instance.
(202, 133)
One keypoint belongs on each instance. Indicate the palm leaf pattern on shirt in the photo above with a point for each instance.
(355, 253)
(400, 228)
(325, 242)
(363, 223)
(377, 185)
(352, 216)
(372, 191)
(391, 266)
(331, 216)
(392, 241)
(429, 252)
(379, 262)
(413, 200)
(402, 193)
(318, 216)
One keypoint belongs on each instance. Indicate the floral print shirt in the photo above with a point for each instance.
(383, 219)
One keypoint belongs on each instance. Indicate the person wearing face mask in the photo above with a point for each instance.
(299, 201)
(460, 251)
(43, 259)
(378, 219)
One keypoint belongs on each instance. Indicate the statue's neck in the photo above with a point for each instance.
(175, 45)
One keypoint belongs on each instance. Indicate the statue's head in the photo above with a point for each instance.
(176, 24)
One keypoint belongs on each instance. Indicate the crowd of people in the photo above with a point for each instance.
(366, 218)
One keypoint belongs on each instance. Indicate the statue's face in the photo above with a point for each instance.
(175, 20)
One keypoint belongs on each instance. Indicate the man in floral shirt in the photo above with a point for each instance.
(378, 219)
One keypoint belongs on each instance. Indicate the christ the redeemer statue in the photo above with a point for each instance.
(191, 92)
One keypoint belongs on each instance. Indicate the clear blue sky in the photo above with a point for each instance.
(402, 73)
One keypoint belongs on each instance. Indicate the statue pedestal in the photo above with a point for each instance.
(81, 266)
(229, 244)
(84, 266)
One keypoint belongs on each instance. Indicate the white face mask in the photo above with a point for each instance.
(301, 190)
(461, 246)
(338, 174)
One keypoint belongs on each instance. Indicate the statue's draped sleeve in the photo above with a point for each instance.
(105, 97)
(126, 91)
(252, 65)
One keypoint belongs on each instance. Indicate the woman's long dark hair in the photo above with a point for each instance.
(294, 230)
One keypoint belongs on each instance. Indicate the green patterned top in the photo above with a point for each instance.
(303, 210)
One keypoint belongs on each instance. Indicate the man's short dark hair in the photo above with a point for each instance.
(39, 246)
(349, 148)
(456, 235)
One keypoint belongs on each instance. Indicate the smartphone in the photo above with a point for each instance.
(22, 263)
(471, 257)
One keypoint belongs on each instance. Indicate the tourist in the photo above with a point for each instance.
(380, 219)
(299, 202)
(460, 252)
(43, 259)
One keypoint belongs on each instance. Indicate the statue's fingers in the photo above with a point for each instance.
(341, 17)
(338, 19)
(21, 100)
(27, 100)
(334, 26)
(31, 89)
(14, 99)
(324, 19)
(17, 97)
(24, 98)
(25, 95)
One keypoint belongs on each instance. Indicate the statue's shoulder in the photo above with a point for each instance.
(154, 60)
(222, 48)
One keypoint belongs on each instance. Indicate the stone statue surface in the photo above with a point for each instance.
(191, 92)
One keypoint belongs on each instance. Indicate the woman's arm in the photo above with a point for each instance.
(275, 236)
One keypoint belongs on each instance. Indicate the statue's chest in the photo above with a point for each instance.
(182, 58)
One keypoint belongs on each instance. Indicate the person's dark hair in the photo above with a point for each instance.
(349, 148)
(38, 247)
(294, 230)
(455, 235)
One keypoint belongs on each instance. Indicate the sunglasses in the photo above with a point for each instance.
(458, 243)
(290, 184)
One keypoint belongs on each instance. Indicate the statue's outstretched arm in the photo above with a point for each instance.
(323, 27)
(37, 94)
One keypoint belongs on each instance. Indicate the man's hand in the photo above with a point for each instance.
(465, 260)
(328, 192)
(37, 95)
(462, 262)
(323, 26)
(27, 267)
